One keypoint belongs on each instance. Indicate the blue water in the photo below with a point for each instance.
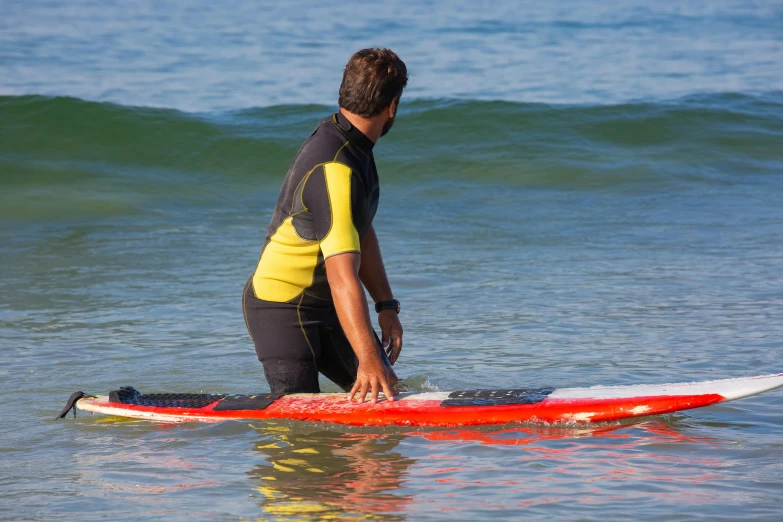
(212, 55)
(574, 194)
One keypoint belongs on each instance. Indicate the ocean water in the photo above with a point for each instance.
(574, 193)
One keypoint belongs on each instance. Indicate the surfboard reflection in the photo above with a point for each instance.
(323, 472)
(331, 474)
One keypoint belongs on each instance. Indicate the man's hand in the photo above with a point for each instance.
(371, 378)
(391, 331)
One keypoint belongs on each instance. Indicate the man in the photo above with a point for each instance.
(304, 305)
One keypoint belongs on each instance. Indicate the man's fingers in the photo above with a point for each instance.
(374, 390)
(372, 384)
(387, 391)
(395, 349)
(385, 338)
(362, 391)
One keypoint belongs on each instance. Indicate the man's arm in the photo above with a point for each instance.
(372, 272)
(342, 271)
(373, 275)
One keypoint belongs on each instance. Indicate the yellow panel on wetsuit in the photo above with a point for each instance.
(342, 236)
(287, 265)
(326, 205)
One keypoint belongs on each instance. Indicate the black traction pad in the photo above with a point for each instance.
(497, 397)
(245, 402)
(130, 395)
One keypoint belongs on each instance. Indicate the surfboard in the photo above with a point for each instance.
(458, 408)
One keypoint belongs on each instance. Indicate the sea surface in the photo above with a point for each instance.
(574, 193)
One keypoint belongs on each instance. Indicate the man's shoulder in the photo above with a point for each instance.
(328, 145)
(322, 146)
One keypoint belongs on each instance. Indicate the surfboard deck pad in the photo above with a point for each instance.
(496, 397)
(457, 408)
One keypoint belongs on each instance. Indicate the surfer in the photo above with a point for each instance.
(304, 305)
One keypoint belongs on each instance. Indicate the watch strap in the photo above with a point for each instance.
(391, 304)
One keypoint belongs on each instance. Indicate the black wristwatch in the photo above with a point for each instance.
(392, 304)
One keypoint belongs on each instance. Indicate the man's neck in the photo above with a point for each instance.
(370, 127)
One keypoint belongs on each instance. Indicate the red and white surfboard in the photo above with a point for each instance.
(460, 408)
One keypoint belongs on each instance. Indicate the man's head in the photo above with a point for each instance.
(373, 81)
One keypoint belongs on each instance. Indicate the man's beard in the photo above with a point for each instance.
(388, 125)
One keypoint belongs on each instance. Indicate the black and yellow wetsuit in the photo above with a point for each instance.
(326, 206)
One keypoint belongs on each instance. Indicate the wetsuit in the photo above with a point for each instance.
(326, 206)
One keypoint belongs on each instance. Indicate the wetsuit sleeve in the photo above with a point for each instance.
(331, 196)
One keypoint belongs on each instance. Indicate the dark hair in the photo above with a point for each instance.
(372, 79)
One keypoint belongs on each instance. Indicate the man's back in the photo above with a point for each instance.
(334, 171)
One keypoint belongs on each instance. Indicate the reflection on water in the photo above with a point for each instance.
(322, 472)
(537, 469)
(331, 474)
